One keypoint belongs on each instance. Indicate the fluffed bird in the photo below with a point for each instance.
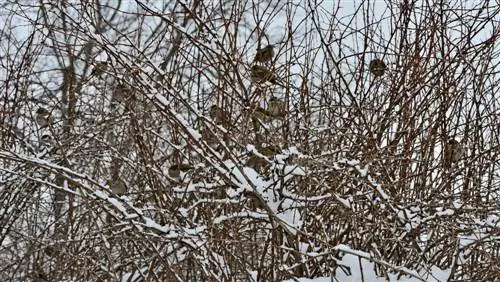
(217, 114)
(43, 117)
(276, 107)
(123, 93)
(118, 187)
(270, 150)
(265, 54)
(260, 74)
(175, 170)
(259, 163)
(261, 114)
(99, 68)
(47, 140)
(377, 67)
(453, 152)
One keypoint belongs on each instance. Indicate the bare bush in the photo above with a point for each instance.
(171, 150)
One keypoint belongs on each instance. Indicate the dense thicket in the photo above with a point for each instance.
(162, 153)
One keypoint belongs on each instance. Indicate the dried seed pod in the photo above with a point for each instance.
(377, 67)
(265, 54)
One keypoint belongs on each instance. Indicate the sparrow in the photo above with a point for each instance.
(276, 108)
(270, 150)
(217, 114)
(265, 54)
(43, 117)
(99, 68)
(258, 163)
(261, 114)
(118, 187)
(453, 152)
(260, 74)
(175, 170)
(46, 140)
(123, 93)
(377, 67)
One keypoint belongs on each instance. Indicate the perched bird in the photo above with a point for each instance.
(276, 107)
(99, 68)
(217, 114)
(175, 170)
(260, 74)
(123, 93)
(261, 114)
(209, 137)
(377, 67)
(46, 140)
(43, 117)
(265, 54)
(259, 163)
(118, 187)
(270, 150)
(453, 152)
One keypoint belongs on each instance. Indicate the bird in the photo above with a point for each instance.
(43, 117)
(123, 93)
(261, 114)
(259, 163)
(260, 74)
(175, 170)
(118, 186)
(46, 140)
(99, 68)
(265, 54)
(453, 152)
(217, 114)
(276, 107)
(377, 67)
(270, 150)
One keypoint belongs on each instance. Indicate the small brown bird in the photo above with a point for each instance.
(270, 150)
(123, 93)
(276, 107)
(217, 114)
(453, 152)
(259, 163)
(261, 114)
(175, 170)
(265, 54)
(118, 187)
(47, 140)
(377, 67)
(260, 74)
(210, 138)
(43, 117)
(99, 68)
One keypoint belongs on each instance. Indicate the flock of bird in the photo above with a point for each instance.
(276, 108)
